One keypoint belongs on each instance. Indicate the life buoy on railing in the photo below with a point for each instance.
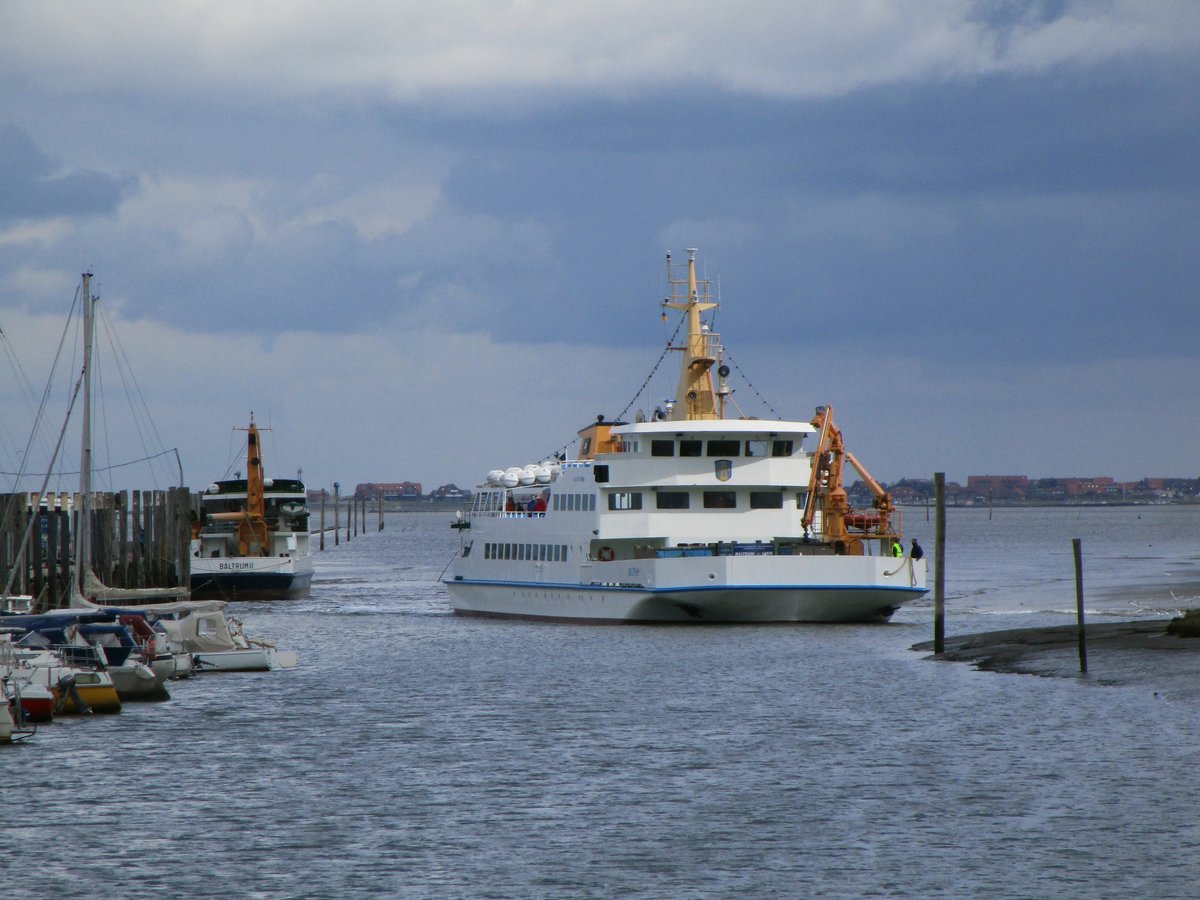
(605, 554)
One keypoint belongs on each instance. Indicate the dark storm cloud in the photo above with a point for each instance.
(31, 185)
(1061, 207)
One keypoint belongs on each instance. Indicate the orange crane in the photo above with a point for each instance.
(840, 525)
(252, 531)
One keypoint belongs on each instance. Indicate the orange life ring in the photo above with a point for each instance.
(605, 554)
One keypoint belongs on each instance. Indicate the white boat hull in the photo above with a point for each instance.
(252, 578)
(253, 659)
(715, 589)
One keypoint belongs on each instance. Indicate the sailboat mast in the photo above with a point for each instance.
(83, 532)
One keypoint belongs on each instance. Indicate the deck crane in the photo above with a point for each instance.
(840, 525)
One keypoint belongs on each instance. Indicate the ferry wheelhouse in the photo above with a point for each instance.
(686, 516)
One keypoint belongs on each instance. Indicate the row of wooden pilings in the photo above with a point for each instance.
(139, 539)
(356, 517)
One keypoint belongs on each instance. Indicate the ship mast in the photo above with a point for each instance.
(252, 529)
(695, 398)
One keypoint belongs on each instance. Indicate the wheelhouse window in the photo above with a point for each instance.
(662, 448)
(625, 500)
(720, 499)
(672, 499)
(781, 448)
(724, 448)
(691, 448)
(756, 448)
(766, 499)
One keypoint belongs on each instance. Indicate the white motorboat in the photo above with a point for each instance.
(685, 515)
(218, 643)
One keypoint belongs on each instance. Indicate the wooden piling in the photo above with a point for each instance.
(1078, 548)
(337, 527)
(939, 565)
(322, 518)
(381, 510)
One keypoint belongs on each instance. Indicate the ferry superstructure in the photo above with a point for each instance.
(686, 516)
(251, 540)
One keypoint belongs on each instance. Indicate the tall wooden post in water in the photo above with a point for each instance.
(939, 564)
(1078, 547)
(336, 524)
(322, 518)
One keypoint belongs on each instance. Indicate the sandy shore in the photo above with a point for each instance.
(1135, 652)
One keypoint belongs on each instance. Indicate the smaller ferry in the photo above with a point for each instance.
(686, 515)
(251, 538)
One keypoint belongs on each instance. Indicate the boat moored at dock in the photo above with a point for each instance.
(686, 515)
(251, 541)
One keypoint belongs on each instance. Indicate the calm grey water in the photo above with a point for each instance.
(417, 754)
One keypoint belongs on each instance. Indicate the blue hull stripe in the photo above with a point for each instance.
(702, 588)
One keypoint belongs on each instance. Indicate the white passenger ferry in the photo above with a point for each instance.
(686, 516)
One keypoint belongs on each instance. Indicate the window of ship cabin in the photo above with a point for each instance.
(756, 448)
(766, 499)
(691, 448)
(801, 499)
(630, 500)
(601, 474)
(781, 448)
(662, 448)
(585, 449)
(724, 448)
(720, 499)
(673, 499)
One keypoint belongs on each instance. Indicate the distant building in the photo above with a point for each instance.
(448, 492)
(391, 491)
(998, 487)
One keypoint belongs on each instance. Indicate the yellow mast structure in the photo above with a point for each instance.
(695, 398)
(252, 532)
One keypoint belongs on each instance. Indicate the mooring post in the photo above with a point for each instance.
(939, 564)
(323, 518)
(336, 523)
(381, 510)
(1077, 545)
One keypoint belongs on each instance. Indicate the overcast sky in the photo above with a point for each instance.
(424, 240)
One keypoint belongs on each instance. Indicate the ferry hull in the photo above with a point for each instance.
(252, 580)
(684, 594)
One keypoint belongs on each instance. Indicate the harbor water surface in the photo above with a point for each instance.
(414, 753)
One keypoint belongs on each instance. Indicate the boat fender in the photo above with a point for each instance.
(605, 554)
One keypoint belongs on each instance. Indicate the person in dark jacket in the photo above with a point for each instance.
(917, 552)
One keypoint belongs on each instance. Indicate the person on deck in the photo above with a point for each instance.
(897, 548)
(917, 552)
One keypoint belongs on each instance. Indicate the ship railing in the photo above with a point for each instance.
(723, 548)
